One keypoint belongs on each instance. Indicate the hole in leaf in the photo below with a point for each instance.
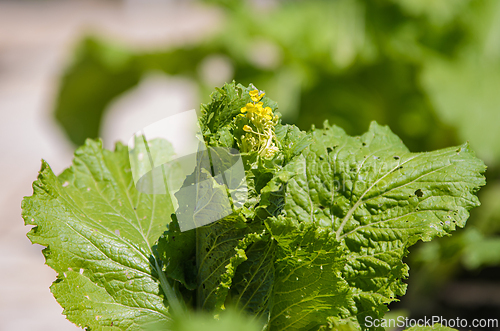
(396, 157)
(329, 150)
(419, 193)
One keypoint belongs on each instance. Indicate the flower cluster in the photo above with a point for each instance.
(259, 136)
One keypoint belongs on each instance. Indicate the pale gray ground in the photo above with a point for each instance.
(36, 39)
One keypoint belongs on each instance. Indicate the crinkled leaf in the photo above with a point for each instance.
(309, 290)
(216, 245)
(292, 140)
(252, 284)
(98, 231)
(226, 250)
(379, 199)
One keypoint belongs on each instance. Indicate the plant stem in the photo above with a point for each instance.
(174, 301)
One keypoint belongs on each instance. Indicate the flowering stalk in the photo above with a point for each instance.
(259, 127)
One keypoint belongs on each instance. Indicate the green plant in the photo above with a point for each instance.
(318, 244)
(428, 69)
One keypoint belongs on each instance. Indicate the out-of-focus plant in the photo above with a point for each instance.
(428, 68)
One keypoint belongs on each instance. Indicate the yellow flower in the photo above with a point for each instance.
(250, 107)
(256, 96)
(267, 112)
(260, 138)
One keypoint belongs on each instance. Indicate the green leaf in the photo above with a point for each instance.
(177, 250)
(463, 89)
(229, 320)
(202, 200)
(469, 83)
(226, 102)
(292, 140)
(252, 284)
(216, 251)
(308, 290)
(99, 231)
(480, 250)
(226, 250)
(379, 199)
(99, 73)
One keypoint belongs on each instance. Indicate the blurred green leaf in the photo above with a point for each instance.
(97, 75)
(230, 320)
(355, 68)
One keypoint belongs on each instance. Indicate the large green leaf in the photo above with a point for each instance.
(98, 231)
(378, 199)
(309, 291)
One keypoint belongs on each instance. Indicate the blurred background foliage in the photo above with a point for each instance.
(430, 69)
